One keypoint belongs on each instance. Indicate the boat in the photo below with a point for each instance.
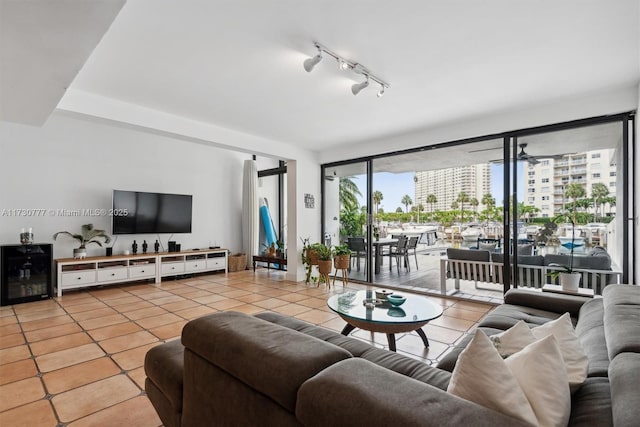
(567, 242)
(472, 233)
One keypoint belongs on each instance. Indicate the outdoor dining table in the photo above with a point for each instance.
(378, 245)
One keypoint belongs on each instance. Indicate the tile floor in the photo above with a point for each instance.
(78, 360)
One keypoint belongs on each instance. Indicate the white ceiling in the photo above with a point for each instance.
(238, 64)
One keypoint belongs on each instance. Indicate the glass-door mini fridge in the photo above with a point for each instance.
(25, 273)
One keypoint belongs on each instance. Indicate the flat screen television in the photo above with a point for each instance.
(137, 212)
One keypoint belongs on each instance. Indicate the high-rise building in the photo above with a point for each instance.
(546, 182)
(447, 184)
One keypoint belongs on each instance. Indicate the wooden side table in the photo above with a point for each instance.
(282, 262)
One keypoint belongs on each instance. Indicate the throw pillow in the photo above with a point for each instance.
(482, 377)
(531, 385)
(541, 373)
(487, 246)
(575, 358)
(518, 336)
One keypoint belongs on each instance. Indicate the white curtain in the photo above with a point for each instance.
(250, 214)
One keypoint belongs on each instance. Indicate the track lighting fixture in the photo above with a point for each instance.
(310, 63)
(345, 64)
(356, 88)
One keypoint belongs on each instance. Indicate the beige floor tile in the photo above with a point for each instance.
(36, 414)
(71, 356)
(313, 302)
(13, 354)
(101, 322)
(336, 324)
(134, 358)
(109, 293)
(180, 305)
(20, 392)
(11, 340)
(138, 305)
(94, 314)
(192, 293)
(452, 323)
(412, 343)
(117, 302)
(155, 321)
(228, 304)
(135, 412)
(293, 297)
(79, 308)
(126, 342)
(167, 299)
(69, 303)
(439, 333)
(145, 312)
(248, 309)
(60, 343)
(37, 306)
(55, 331)
(235, 293)
(291, 309)
(116, 330)
(90, 398)
(8, 320)
(78, 375)
(208, 299)
(16, 371)
(46, 323)
(316, 316)
(138, 376)
(270, 303)
(9, 329)
(192, 313)
(171, 330)
(472, 306)
(39, 315)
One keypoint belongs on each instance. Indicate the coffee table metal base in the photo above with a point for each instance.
(389, 329)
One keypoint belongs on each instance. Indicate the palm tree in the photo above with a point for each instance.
(599, 193)
(347, 192)
(575, 191)
(377, 198)
(454, 205)
(474, 202)
(420, 209)
(488, 201)
(462, 199)
(406, 201)
(432, 199)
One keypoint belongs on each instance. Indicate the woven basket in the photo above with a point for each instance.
(237, 262)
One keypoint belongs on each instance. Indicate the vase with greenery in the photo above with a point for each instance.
(568, 278)
(87, 235)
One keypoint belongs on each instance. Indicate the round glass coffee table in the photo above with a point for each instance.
(383, 317)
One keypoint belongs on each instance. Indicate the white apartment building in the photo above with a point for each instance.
(546, 181)
(446, 184)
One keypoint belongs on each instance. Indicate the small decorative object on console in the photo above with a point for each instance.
(134, 248)
(382, 294)
(156, 246)
(144, 246)
(26, 236)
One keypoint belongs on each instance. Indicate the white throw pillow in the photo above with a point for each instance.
(541, 373)
(513, 339)
(531, 385)
(575, 359)
(481, 376)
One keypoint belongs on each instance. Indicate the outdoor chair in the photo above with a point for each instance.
(412, 245)
(358, 249)
(399, 251)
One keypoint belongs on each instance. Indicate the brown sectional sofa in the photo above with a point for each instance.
(272, 370)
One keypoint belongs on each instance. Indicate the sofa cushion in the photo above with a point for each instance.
(622, 319)
(590, 331)
(358, 393)
(386, 359)
(164, 366)
(548, 302)
(468, 255)
(624, 375)
(591, 404)
(506, 315)
(522, 259)
(249, 349)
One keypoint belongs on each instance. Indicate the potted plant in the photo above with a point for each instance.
(280, 249)
(87, 235)
(341, 257)
(569, 279)
(309, 257)
(324, 261)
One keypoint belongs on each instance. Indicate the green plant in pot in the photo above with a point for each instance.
(87, 235)
(325, 263)
(341, 257)
(569, 279)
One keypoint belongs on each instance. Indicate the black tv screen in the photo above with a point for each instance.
(136, 212)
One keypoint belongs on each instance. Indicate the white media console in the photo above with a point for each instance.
(105, 270)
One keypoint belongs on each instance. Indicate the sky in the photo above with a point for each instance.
(394, 186)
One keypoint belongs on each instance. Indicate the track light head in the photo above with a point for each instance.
(310, 63)
(343, 65)
(381, 92)
(356, 88)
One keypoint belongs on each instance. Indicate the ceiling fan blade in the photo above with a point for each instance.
(485, 149)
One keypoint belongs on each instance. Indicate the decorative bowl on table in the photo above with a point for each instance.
(383, 294)
(396, 300)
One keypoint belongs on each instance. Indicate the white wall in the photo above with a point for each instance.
(71, 163)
